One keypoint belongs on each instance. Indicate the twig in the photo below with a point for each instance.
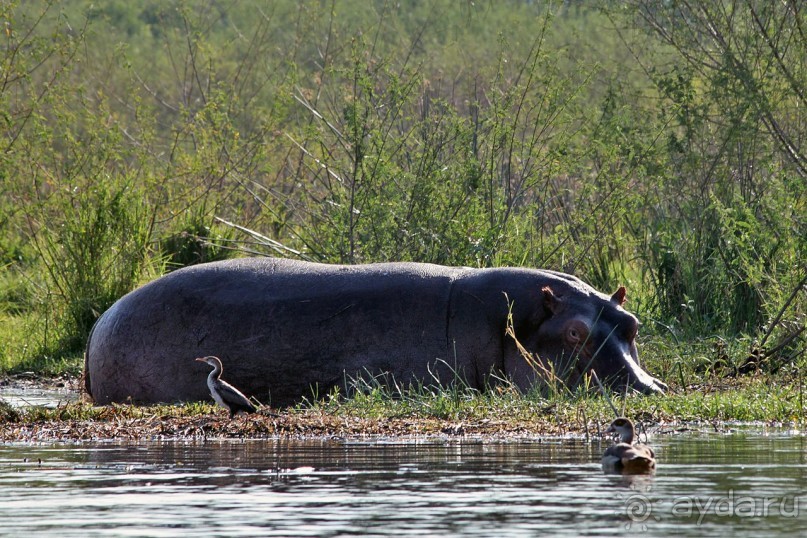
(266, 241)
(605, 393)
(799, 287)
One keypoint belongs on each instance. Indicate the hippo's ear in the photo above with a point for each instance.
(619, 296)
(550, 300)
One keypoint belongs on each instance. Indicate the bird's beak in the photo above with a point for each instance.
(201, 359)
(610, 429)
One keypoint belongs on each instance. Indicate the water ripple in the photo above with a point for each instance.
(704, 485)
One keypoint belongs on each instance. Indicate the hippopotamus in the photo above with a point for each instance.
(287, 330)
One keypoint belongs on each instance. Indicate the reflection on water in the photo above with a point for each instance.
(705, 484)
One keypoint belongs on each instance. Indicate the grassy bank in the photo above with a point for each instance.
(496, 416)
(700, 397)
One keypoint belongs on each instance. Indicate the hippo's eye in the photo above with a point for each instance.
(576, 332)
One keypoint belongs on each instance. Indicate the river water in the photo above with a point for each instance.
(30, 393)
(747, 483)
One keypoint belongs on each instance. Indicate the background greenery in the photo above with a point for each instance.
(656, 145)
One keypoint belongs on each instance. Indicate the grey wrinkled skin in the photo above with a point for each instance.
(287, 330)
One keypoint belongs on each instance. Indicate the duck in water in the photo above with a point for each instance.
(625, 457)
(225, 394)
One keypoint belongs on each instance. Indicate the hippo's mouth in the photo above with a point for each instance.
(642, 381)
(649, 384)
(639, 380)
(631, 375)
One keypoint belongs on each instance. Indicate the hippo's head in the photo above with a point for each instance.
(581, 331)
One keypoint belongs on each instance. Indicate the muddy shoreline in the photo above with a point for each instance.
(299, 425)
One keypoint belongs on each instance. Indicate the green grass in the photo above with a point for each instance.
(756, 399)
(27, 347)
(709, 397)
(698, 393)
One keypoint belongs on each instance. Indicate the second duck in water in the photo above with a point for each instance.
(626, 457)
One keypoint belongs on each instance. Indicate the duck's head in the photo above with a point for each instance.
(624, 427)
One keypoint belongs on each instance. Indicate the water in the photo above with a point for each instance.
(22, 393)
(746, 484)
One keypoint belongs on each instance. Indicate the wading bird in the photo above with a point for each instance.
(625, 457)
(225, 394)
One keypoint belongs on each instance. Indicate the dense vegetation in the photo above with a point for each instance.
(657, 145)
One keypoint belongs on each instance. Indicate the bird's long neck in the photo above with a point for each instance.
(214, 375)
